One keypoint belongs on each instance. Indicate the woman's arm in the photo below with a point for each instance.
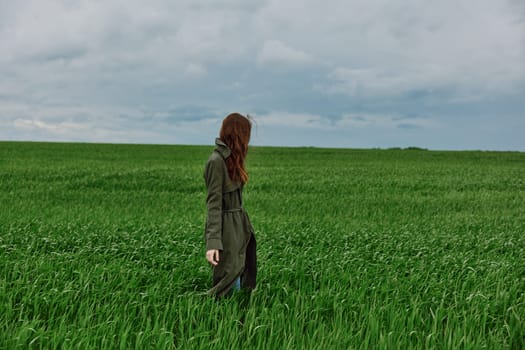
(213, 176)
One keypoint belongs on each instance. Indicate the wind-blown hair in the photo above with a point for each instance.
(235, 133)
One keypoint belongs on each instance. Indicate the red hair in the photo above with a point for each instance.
(235, 133)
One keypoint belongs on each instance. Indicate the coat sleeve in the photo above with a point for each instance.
(214, 178)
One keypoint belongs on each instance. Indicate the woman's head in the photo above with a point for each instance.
(235, 133)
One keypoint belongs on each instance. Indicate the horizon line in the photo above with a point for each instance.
(391, 148)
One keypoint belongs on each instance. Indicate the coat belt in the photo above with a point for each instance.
(232, 210)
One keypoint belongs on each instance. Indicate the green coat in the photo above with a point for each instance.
(228, 226)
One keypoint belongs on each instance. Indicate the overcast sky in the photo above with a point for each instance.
(446, 74)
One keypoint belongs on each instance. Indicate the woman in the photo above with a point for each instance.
(230, 239)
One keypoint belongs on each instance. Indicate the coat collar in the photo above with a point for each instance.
(222, 148)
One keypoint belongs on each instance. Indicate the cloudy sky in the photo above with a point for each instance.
(446, 74)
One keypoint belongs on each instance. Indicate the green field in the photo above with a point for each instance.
(101, 246)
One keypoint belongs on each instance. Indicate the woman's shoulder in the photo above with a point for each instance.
(215, 157)
(215, 161)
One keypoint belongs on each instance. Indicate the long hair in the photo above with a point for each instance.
(235, 133)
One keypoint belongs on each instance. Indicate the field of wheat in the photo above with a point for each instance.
(101, 247)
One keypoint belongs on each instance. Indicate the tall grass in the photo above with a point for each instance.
(101, 246)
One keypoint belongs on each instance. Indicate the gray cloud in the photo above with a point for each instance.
(165, 71)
